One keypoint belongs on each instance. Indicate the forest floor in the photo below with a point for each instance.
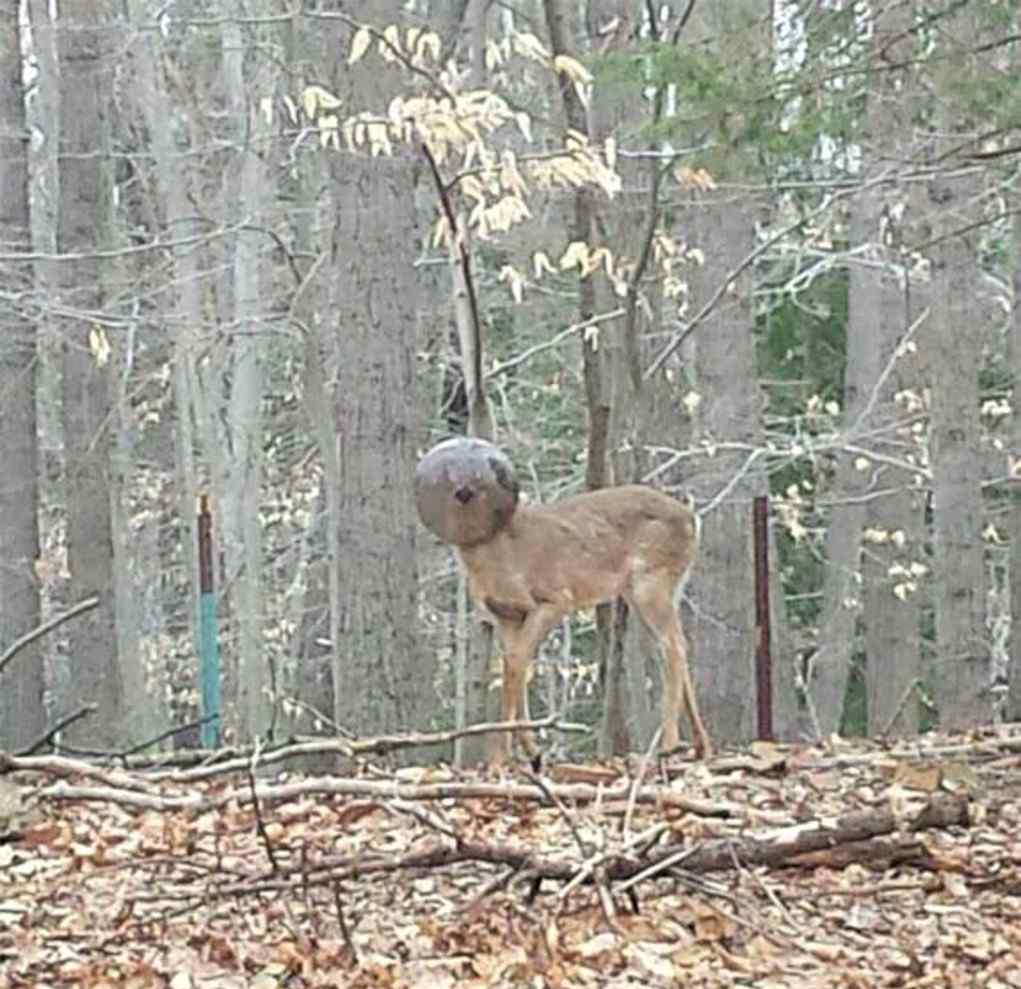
(849, 865)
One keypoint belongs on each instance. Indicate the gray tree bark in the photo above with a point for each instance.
(22, 715)
(722, 584)
(894, 578)
(961, 669)
(1014, 363)
(173, 186)
(82, 230)
(382, 679)
(248, 192)
(475, 656)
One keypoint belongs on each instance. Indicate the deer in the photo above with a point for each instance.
(530, 566)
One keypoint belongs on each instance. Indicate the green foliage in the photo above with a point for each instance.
(854, 718)
(802, 353)
(727, 104)
(802, 345)
(737, 106)
(987, 100)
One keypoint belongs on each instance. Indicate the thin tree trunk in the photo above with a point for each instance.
(21, 685)
(722, 584)
(961, 673)
(842, 586)
(1014, 363)
(473, 640)
(893, 571)
(173, 185)
(83, 221)
(256, 693)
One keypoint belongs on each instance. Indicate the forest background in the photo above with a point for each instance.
(725, 248)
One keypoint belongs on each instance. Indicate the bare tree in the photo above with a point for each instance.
(961, 674)
(1014, 364)
(382, 679)
(247, 188)
(82, 233)
(722, 588)
(21, 684)
(173, 187)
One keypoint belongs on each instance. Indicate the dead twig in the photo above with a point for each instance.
(47, 626)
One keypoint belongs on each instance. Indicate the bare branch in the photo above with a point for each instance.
(39, 631)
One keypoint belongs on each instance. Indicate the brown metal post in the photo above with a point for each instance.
(763, 656)
(205, 521)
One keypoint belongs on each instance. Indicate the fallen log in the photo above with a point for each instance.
(778, 847)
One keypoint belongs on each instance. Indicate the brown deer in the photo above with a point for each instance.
(532, 565)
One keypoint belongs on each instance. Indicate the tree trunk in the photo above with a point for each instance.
(1014, 463)
(475, 656)
(256, 688)
(842, 586)
(722, 584)
(22, 716)
(961, 673)
(893, 568)
(382, 679)
(174, 186)
(82, 225)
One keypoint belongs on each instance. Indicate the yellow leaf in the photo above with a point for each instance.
(515, 279)
(99, 346)
(429, 44)
(314, 98)
(541, 265)
(610, 152)
(471, 187)
(575, 256)
(493, 55)
(392, 46)
(328, 130)
(573, 69)
(529, 46)
(395, 112)
(359, 44)
(992, 535)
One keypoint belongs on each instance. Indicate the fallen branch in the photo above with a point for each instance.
(117, 780)
(773, 848)
(351, 748)
(389, 789)
(168, 766)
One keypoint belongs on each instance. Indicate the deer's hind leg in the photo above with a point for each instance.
(520, 641)
(652, 595)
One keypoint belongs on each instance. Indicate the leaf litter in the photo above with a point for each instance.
(850, 865)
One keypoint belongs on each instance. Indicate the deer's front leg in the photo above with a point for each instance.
(520, 641)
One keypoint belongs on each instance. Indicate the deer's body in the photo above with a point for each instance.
(551, 560)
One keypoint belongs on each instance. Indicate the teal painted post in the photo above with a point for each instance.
(209, 639)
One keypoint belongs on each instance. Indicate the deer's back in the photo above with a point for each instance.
(633, 519)
(584, 549)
